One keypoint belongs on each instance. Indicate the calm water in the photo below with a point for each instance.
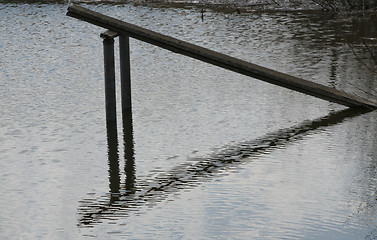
(210, 154)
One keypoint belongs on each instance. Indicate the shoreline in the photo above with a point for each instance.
(225, 6)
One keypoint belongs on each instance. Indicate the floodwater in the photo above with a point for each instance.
(207, 153)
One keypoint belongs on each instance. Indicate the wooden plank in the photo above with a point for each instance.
(219, 59)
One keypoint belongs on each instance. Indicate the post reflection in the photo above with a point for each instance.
(113, 160)
(93, 210)
(192, 173)
(128, 142)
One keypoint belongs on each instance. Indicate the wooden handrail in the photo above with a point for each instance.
(221, 60)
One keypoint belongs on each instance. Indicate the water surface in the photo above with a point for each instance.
(211, 153)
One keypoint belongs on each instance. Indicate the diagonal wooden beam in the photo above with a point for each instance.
(221, 60)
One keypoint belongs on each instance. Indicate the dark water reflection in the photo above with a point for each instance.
(123, 199)
(129, 153)
(113, 158)
(113, 154)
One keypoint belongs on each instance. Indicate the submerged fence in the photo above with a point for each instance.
(125, 30)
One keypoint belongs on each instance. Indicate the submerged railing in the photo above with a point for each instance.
(125, 30)
(130, 195)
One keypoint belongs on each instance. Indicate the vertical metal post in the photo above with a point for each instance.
(108, 52)
(125, 72)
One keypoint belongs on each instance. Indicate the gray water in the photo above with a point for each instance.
(211, 154)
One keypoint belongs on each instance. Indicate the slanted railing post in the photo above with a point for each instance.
(108, 53)
(125, 72)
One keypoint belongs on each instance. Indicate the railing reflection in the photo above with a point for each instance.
(124, 199)
(113, 161)
(113, 157)
(129, 156)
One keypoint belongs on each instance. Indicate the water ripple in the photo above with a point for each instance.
(186, 176)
